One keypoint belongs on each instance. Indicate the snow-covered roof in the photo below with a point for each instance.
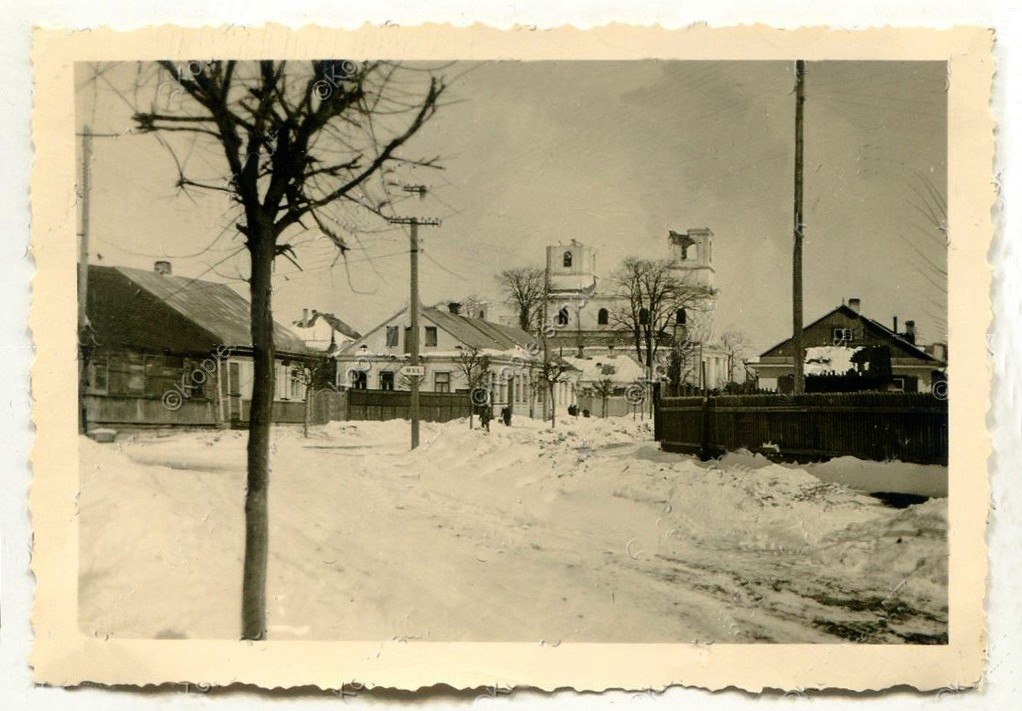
(617, 368)
(830, 360)
(129, 299)
(472, 333)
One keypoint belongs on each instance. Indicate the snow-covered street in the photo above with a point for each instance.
(583, 533)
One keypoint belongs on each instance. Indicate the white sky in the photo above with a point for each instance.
(613, 154)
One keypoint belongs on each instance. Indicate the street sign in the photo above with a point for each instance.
(414, 370)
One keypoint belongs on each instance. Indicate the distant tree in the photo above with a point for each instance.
(550, 372)
(523, 290)
(652, 292)
(475, 367)
(734, 343)
(682, 358)
(298, 139)
(929, 241)
(604, 388)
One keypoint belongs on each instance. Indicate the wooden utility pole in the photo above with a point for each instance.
(83, 277)
(548, 388)
(798, 343)
(413, 335)
(83, 269)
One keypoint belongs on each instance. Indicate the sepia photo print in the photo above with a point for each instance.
(554, 353)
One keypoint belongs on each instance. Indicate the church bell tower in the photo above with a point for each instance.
(692, 253)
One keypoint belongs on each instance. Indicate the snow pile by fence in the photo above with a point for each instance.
(584, 532)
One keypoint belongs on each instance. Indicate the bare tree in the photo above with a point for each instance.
(683, 358)
(550, 372)
(734, 344)
(604, 388)
(475, 366)
(653, 294)
(929, 242)
(298, 141)
(523, 290)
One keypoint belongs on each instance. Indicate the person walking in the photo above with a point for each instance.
(485, 415)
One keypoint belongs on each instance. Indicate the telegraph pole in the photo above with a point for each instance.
(83, 276)
(796, 299)
(83, 268)
(414, 374)
(548, 390)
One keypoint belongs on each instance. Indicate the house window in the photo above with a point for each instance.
(297, 381)
(408, 339)
(161, 377)
(127, 375)
(97, 376)
(841, 336)
(392, 336)
(602, 317)
(431, 336)
(567, 259)
(898, 385)
(441, 382)
(359, 379)
(386, 380)
(644, 317)
(562, 316)
(680, 317)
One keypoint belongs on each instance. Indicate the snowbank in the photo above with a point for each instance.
(929, 480)
(584, 532)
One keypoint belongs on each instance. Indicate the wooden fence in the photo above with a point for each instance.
(395, 405)
(911, 427)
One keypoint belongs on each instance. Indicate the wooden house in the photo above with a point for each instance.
(164, 350)
(838, 346)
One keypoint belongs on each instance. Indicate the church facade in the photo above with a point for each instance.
(589, 317)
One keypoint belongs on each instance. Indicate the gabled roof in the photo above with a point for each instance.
(479, 333)
(473, 333)
(208, 307)
(875, 326)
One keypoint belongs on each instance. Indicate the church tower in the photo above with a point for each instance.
(572, 268)
(692, 253)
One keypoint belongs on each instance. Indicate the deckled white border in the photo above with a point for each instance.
(12, 77)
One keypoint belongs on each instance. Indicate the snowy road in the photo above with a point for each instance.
(587, 533)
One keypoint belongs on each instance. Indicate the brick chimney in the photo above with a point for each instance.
(162, 266)
(910, 332)
(855, 304)
(454, 307)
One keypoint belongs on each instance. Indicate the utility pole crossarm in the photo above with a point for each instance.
(425, 221)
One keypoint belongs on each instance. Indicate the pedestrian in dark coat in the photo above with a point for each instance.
(485, 415)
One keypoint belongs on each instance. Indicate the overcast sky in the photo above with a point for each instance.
(613, 154)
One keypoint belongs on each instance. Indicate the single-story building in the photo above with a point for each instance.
(503, 359)
(604, 381)
(843, 344)
(164, 350)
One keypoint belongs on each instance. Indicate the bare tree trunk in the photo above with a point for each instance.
(253, 593)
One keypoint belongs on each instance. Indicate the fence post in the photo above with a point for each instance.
(656, 412)
(704, 447)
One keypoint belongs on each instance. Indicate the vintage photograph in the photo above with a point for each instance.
(638, 351)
